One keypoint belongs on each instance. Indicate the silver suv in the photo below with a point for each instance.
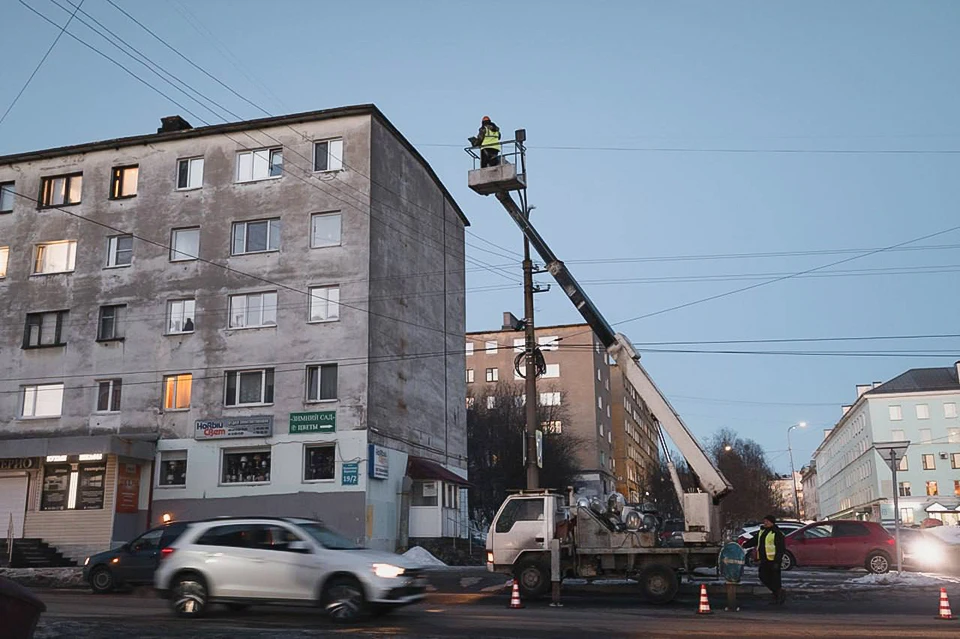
(245, 561)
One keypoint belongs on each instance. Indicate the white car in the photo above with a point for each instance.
(245, 561)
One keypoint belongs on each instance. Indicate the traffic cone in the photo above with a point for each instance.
(944, 606)
(515, 596)
(704, 608)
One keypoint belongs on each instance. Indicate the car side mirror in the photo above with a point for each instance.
(299, 546)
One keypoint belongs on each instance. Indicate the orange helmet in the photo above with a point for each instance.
(485, 118)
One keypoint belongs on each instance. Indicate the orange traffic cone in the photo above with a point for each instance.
(515, 596)
(704, 608)
(944, 606)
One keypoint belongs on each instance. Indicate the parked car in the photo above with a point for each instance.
(748, 537)
(248, 561)
(841, 544)
(133, 563)
(924, 551)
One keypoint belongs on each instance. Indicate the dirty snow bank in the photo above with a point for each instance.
(913, 579)
(422, 556)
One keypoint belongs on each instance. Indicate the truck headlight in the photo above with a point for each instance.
(387, 571)
(489, 557)
(928, 552)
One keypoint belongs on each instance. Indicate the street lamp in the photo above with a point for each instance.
(793, 480)
(727, 448)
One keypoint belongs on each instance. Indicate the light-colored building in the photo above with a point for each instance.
(919, 406)
(635, 440)
(810, 504)
(236, 319)
(785, 485)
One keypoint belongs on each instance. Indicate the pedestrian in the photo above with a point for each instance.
(488, 139)
(770, 549)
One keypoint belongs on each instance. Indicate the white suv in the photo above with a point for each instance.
(244, 561)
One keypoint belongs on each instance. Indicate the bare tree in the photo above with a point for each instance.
(496, 421)
(744, 464)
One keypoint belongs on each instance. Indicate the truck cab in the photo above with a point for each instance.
(518, 542)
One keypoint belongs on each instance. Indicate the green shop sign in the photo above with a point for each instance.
(324, 421)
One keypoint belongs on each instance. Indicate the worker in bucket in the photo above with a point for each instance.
(770, 548)
(488, 139)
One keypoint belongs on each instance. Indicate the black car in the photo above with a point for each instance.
(133, 563)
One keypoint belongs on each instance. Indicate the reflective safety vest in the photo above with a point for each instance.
(491, 139)
(770, 545)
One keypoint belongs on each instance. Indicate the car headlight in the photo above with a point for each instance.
(387, 571)
(86, 562)
(927, 552)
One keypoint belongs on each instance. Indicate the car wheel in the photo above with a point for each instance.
(878, 563)
(788, 561)
(344, 600)
(189, 596)
(532, 578)
(658, 583)
(101, 580)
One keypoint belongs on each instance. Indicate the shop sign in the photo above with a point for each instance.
(350, 474)
(20, 463)
(379, 463)
(128, 488)
(231, 427)
(92, 480)
(56, 487)
(324, 421)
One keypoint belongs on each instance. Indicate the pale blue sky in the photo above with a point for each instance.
(863, 76)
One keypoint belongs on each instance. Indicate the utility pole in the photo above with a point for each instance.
(530, 378)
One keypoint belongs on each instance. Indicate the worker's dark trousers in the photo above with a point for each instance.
(770, 576)
(489, 157)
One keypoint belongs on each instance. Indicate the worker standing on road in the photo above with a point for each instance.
(488, 139)
(770, 549)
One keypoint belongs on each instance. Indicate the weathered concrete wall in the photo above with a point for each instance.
(417, 303)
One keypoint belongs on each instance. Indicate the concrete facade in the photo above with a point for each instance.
(636, 451)
(397, 265)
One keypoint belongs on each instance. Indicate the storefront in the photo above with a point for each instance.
(437, 500)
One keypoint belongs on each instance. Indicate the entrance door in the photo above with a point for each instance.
(13, 501)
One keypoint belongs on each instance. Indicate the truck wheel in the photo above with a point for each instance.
(658, 583)
(533, 579)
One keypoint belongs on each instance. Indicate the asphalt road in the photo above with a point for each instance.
(874, 613)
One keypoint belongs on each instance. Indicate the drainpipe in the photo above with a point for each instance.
(153, 463)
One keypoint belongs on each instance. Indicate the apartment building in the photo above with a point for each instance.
(635, 439)
(228, 320)
(919, 406)
(810, 504)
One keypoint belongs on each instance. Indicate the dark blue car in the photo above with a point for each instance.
(133, 563)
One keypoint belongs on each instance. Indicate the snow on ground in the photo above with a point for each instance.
(949, 534)
(422, 556)
(914, 579)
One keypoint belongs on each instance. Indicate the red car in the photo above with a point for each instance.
(841, 544)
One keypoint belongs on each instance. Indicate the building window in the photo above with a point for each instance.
(493, 374)
(45, 329)
(249, 388)
(550, 343)
(185, 244)
(319, 462)
(906, 516)
(4, 256)
(923, 411)
(181, 316)
(110, 327)
(491, 402)
(59, 190)
(176, 391)
(108, 395)
(550, 399)
(123, 184)
(253, 310)
(189, 173)
(601, 430)
(173, 468)
(603, 459)
(259, 165)
(519, 345)
(55, 257)
(955, 460)
(600, 403)
(896, 414)
(7, 195)
(246, 467)
(451, 496)
(471, 402)
(956, 487)
(119, 250)
(903, 463)
(953, 435)
(328, 155)
(897, 435)
(490, 348)
(257, 236)
(322, 383)
(325, 230)
(904, 489)
(950, 410)
(468, 348)
(42, 400)
(424, 493)
(553, 370)
(929, 462)
(554, 427)
(324, 303)
(926, 436)
(469, 375)
(932, 490)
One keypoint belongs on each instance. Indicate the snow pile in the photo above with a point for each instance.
(913, 579)
(422, 556)
(949, 534)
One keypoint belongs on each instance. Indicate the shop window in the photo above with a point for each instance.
(424, 493)
(173, 468)
(319, 462)
(56, 487)
(73, 486)
(246, 467)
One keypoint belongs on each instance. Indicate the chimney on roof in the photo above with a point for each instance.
(875, 384)
(826, 432)
(173, 123)
(863, 388)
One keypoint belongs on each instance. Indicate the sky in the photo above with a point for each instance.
(808, 133)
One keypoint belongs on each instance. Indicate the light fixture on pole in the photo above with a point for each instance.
(793, 480)
(892, 453)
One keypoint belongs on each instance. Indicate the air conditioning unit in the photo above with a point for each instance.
(944, 456)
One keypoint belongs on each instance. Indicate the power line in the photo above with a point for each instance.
(730, 150)
(40, 64)
(917, 354)
(781, 340)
